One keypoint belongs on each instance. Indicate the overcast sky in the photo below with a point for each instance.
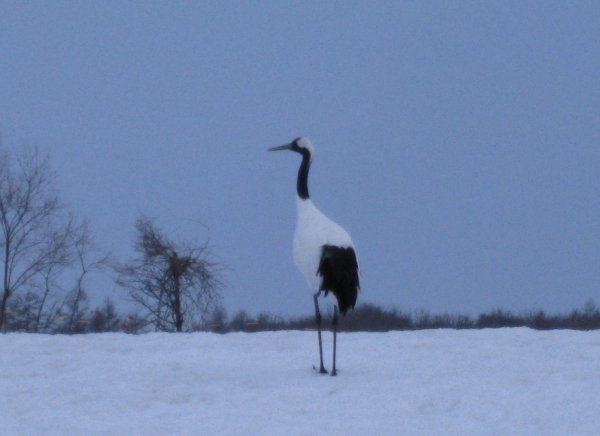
(457, 142)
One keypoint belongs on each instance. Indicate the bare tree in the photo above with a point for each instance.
(29, 211)
(175, 284)
(72, 256)
(39, 243)
(86, 259)
(46, 285)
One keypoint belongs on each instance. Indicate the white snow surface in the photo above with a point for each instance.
(435, 382)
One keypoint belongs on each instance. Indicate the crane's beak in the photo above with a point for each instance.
(281, 147)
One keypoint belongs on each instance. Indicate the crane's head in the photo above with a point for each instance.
(299, 145)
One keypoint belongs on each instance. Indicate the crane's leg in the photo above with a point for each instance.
(335, 322)
(318, 319)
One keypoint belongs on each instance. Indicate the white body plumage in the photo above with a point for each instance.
(313, 231)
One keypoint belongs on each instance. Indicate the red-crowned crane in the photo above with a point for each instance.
(323, 251)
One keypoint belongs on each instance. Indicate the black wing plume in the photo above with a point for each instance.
(339, 269)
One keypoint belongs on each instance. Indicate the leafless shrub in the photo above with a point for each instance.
(175, 284)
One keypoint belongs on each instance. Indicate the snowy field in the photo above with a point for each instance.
(435, 382)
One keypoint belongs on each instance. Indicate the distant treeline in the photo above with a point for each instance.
(366, 317)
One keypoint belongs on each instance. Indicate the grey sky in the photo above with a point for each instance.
(457, 142)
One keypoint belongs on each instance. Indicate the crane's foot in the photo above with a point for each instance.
(322, 370)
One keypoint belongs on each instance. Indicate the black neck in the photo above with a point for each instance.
(302, 184)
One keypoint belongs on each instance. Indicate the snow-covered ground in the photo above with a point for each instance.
(435, 382)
